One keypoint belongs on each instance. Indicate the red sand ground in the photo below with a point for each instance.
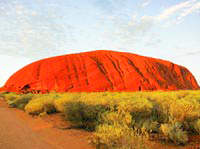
(21, 131)
(101, 71)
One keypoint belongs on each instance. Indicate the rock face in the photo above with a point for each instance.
(100, 71)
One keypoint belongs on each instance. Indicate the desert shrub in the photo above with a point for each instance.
(49, 108)
(21, 101)
(83, 114)
(150, 126)
(116, 118)
(160, 113)
(174, 133)
(11, 96)
(185, 110)
(117, 136)
(104, 99)
(43, 114)
(3, 94)
(139, 108)
(146, 125)
(161, 108)
(196, 125)
(40, 104)
(182, 94)
(116, 131)
(17, 100)
(59, 103)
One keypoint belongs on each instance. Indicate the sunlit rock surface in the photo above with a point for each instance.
(100, 71)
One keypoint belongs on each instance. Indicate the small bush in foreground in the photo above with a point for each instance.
(22, 101)
(138, 107)
(185, 109)
(196, 126)
(82, 114)
(59, 103)
(117, 136)
(18, 101)
(116, 118)
(11, 96)
(150, 126)
(174, 133)
(40, 104)
(3, 94)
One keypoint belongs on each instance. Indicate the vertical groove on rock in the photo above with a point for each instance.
(85, 70)
(117, 68)
(119, 72)
(68, 75)
(102, 70)
(150, 72)
(132, 64)
(38, 71)
(71, 87)
(74, 67)
(78, 70)
(75, 70)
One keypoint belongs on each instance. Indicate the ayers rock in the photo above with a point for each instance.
(100, 71)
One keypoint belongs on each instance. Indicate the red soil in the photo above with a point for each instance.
(21, 131)
(101, 71)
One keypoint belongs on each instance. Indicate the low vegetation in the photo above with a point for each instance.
(121, 120)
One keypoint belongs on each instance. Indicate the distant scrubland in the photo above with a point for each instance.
(120, 119)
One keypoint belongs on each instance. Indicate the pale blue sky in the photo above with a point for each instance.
(34, 29)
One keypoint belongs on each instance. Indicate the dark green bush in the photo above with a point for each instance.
(11, 96)
(150, 126)
(196, 125)
(82, 114)
(49, 108)
(18, 101)
(3, 94)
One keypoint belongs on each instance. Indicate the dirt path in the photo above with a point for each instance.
(20, 131)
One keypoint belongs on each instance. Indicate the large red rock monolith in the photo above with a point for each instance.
(101, 71)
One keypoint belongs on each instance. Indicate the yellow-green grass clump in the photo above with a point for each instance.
(40, 104)
(18, 100)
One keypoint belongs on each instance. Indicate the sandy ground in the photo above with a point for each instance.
(19, 130)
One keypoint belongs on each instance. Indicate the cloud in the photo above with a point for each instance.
(145, 3)
(129, 30)
(190, 10)
(30, 33)
(171, 15)
(176, 14)
(167, 13)
(145, 23)
(20, 9)
(127, 33)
